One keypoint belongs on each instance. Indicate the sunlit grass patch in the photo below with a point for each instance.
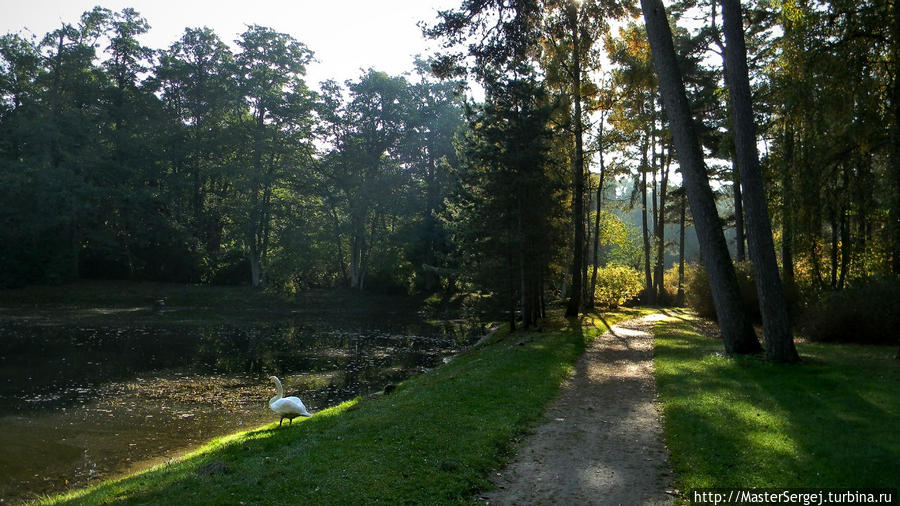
(433, 440)
(829, 422)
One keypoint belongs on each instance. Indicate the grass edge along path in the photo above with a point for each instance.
(744, 422)
(433, 440)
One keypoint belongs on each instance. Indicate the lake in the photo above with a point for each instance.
(83, 399)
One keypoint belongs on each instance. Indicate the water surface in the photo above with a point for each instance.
(84, 401)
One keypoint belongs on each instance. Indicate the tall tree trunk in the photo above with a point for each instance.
(740, 239)
(679, 298)
(846, 243)
(834, 245)
(661, 228)
(736, 330)
(776, 323)
(358, 253)
(787, 209)
(510, 278)
(654, 195)
(431, 209)
(575, 301)
(585, 297)
(649, 294)
(255, 270)
(597, 227)
(846, 249)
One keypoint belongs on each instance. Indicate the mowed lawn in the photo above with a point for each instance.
(832, 421)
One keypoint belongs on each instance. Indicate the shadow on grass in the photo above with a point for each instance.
(747, 422)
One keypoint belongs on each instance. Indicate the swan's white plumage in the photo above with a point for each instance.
(286, 407)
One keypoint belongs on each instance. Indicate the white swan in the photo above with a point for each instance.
(286, 407)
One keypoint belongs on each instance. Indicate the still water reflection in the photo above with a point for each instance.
(82, 402)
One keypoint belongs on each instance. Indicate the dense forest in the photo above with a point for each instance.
(206, 162)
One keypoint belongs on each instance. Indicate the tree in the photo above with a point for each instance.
(573, 31)
(734, 323)
(198, 81)
(367, 135)
(277, 129)
(435, 118)
(506, 215)
(776, 323)
(636, 116)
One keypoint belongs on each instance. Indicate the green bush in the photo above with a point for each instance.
(616, 285)
(699, 297)
(866, 313)
(670, 280)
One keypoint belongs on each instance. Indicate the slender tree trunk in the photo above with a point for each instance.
(787, 209)
(740, 238)
(736, 330)
(776, 323)
(679, 298)
(834, 246)
(431, 209)
(575, 301)
(846, 249)
(358, 254)
(846, 243)
(661, 228)
(585, 297)
(597, 229)
(649, 294)
(654, 195)
(255, 270)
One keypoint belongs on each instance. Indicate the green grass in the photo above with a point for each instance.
(831, 421)
(434, 440)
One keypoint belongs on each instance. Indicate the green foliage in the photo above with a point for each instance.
(865, 313)
(617, 285)
(202, 167)
(506, 216)
(620, 241)
(744, 422)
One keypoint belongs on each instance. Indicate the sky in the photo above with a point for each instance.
(345, 35)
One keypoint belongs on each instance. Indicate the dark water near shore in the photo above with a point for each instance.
(84, 401)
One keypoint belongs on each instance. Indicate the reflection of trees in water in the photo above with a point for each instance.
(70, 364)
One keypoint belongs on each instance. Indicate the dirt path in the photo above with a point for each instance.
(601, 441)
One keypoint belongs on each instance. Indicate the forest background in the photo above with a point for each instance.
(199, 163)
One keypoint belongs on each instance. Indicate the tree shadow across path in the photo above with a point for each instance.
(601, 440)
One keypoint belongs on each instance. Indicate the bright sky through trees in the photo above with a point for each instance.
(346, 35)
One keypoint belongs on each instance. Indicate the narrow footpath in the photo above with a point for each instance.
(601, 439)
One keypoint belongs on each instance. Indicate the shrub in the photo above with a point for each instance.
(670, 281)
(699, 296)
(867, 313)
(616, 285)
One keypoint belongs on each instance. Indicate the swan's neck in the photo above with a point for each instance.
(279, 389)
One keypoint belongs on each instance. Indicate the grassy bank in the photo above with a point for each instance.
(433, 440)
(829, 422)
